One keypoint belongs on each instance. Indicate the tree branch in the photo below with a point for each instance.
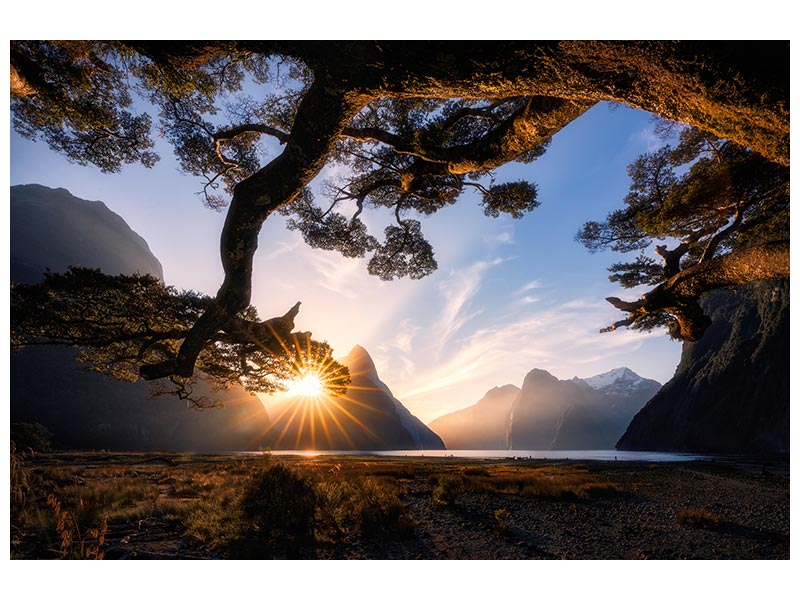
(679, 295)
(233, 132)
(529, 126)
(322, 115)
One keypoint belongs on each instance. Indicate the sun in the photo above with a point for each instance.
(308, 385)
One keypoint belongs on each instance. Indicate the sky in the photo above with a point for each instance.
(510, 295)
(161, 206)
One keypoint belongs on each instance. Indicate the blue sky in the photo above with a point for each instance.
(509, 295)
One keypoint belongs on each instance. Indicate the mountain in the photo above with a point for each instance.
(536, 417)
(368, 417)
(51, 228)
(730, 392)
(481, 426)
(611, 401)
(549, 414)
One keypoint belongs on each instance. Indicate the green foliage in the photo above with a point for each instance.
(77, 97)
(18, 475)
(78, 103)
(501, 516)
(448, 489)
(710, 195)
(513, 198)
(369, 506)
(692, 191)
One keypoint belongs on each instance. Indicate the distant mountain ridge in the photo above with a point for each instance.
(51, 229)
(550, 414)
(368, 417)
(482, 426)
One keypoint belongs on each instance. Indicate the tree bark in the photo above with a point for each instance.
(324, 112)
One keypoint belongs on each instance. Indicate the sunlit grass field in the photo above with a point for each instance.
(255, 506)
(129, 505)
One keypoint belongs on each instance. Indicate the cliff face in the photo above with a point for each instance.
(52, 229)
(730, 392)
(482, 426)
(537, 414)
(367, 417)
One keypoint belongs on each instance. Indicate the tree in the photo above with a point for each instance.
(415, 122)
(728, 213)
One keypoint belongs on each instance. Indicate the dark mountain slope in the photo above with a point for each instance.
(53, 229)
(730, 392)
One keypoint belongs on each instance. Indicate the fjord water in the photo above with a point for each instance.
(599, 455)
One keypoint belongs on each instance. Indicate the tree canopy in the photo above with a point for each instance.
(725, 207)
(415, 123)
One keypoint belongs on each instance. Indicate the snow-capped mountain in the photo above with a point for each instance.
(621, 377)
(550, 414)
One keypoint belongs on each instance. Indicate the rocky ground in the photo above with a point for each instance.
(641, 511)
(640, 523)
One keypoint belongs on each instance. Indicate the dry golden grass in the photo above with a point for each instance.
(698, 518)
(202, 499)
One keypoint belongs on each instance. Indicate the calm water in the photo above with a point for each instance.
(489, 454)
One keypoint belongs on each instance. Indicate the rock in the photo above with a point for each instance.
(730, 392)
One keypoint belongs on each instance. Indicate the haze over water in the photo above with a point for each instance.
(601, 455)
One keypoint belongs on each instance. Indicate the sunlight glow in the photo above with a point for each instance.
(308, 385)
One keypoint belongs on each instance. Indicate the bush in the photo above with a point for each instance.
(448, 490)
(501, 517)
(33, 436)
(279, 505)
(698, 518)
(370, 506)
(380, 512)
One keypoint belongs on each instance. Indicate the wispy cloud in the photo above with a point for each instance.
(648, 139)
(457, 292)
(282, 249)
(563, 339)
(532, 285)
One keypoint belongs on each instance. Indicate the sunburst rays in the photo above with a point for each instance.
(330, 417)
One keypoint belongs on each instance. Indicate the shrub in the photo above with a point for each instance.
(33, 436)
(501, 520)
(279, 504)
(380, 512)
(20, 486)
(698, 518)
(448, 490)
(370, 506)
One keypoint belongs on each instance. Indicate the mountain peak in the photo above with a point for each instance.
(359, 361)
(539, 375)
(620, 374)
(357, 351)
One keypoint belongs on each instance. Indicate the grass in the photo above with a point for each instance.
(258, 507)
(565, 483)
